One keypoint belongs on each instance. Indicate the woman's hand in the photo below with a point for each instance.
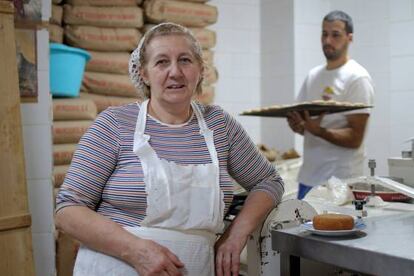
(228, 250)
(104, 235)
(154, 259)
(230, 245)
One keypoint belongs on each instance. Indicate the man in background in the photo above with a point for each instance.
(333, 143)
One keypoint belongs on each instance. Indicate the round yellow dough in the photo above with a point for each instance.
(333, 222)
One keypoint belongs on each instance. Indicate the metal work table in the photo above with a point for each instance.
(385, 247)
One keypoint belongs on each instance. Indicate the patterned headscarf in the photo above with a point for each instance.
(137, 59)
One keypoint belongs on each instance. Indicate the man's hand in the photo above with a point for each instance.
(296, 122)
(299, 124)
(313, 125)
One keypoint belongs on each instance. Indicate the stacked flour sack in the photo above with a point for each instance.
(71, 119)
(109, 30)
(196, 15)
(55, 26)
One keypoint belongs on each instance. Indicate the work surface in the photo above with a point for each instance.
(384, 247)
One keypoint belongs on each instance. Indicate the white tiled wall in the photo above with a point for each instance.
(237, 57)
(254, 60)
(289, 45)
(371, 48)
(307, 47)
(402, 72)
(286, 38)
(277, 42)
(37, 123)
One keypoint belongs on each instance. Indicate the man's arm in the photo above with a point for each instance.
(350, 136)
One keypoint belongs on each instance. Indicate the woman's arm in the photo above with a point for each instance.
(257, 175)
(231, 243)
(248, 166)
(91, 167)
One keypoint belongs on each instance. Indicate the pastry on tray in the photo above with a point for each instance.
(314, 108)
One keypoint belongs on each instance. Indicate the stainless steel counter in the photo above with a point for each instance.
(385, 247)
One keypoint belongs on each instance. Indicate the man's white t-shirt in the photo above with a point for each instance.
(322, 159)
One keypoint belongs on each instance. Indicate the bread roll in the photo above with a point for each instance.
(333, 222)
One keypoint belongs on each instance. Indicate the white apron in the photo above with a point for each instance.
(185, 209)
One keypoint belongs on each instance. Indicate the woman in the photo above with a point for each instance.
(149, 184)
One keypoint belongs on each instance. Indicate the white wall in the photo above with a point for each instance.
(307, 49)
(37, 136)
(401, 96)
(288, 44)
(371, 48)
(277, 63)
(254, 60)
(237, 57)
(382, 44)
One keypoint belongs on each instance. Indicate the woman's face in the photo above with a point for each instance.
(171, 70)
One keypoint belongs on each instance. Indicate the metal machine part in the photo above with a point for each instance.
(261, 259)
(372, 165)
(359, 207)
(410, 153)
(373, 199)
(384, 183)
(403, 166)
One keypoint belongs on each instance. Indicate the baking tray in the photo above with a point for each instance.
(314, 109)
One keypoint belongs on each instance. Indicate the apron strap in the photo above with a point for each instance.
(141, 140)
(142, 118)
(140, 137)
(207, 133)
(201, 122)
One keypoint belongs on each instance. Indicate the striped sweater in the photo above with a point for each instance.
(106, 176)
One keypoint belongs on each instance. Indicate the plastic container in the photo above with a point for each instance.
(67, 65)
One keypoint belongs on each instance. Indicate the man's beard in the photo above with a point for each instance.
(333, 54)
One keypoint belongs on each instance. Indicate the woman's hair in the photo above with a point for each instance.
(138, 60)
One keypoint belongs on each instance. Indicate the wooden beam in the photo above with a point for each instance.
(15, 222)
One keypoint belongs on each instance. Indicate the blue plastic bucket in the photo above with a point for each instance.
(67, 65)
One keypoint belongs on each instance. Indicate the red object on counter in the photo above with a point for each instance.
(386, 196)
